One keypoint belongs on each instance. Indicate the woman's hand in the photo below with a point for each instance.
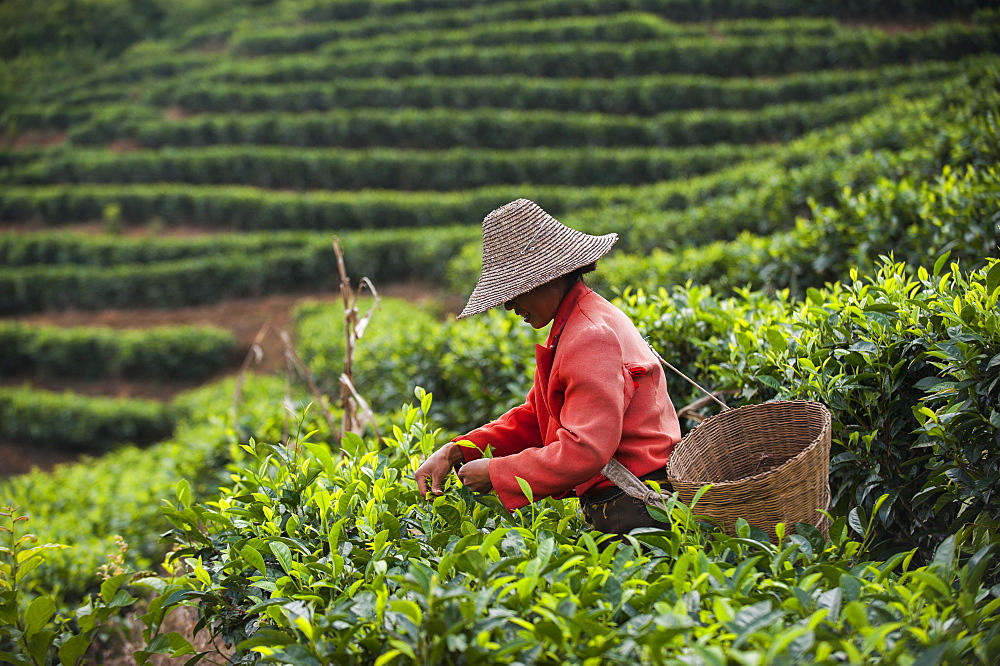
(437, 466)
(476, 475)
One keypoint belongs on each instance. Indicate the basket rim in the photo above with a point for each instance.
(827, 422)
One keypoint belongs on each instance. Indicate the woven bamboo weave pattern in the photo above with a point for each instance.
(768, 463)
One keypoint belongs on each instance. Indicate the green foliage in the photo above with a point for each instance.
(108, 25)
(303, 557)
(73, 422)
(477, 367)
(307, 558)
(908, 367)
(336, 169)
(32, 631)
(180, 353)
(89, 503)
(745, 196)
(339, 37)
(401, 344)
(918, 204)
(640, 96)
(916, 222)
(766, 53)
(52, 271)
(956, 213)
(478, 128)
(677, 10)
(412, 253)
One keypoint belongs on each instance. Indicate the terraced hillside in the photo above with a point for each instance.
(218, 162)
(808, 198)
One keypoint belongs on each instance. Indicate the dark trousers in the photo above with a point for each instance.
(616, 512)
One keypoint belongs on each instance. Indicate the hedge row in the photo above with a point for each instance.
(22, 156)
(643, 96)
(680, 10)
(385, 258)
(54, 115)
(231, 207)
(334, 169)
(485, 128)
(181, 353)
(72, 422)
(62, 248)
(736, 56)
(647, 95)
(477, 368)
(136, 68)
(334, 37)
(744, 56)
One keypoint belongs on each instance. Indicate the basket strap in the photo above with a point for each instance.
(689, 380)
(622, 477)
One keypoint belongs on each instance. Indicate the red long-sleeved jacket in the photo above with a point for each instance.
(599, 392)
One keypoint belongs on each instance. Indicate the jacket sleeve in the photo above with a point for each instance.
(511, 433)
(592, 378)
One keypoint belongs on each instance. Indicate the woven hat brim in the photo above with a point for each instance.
(497, 286)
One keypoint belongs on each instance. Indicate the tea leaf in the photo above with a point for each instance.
(39, 612)
(256, 560)
(284, 555)
(526, 489)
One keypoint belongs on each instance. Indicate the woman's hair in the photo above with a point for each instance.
(581, 271)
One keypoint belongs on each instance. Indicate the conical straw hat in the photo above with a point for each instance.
(525, 247)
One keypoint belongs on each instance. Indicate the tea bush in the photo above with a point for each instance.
(310, 558)
(335, 169)
(479, 367)
(956, 212)
(908, 362)
(765, 52)
(642, 96)
(74, 422)
(58, 248)
(738, 55)
(768, 347)
(31, 629)
(677, 10)
(88, 503)
(480, 128)
(179, 353)
(621, 27)
(85, 273)
(761, 196)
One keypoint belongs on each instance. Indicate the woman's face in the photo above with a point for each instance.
(538, 306)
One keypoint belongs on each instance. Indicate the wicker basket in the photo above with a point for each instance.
(769, 463)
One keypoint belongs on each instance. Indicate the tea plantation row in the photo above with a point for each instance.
(480, 128)
(646, 95)
(768, 55)
(383, 168)
(336, 37)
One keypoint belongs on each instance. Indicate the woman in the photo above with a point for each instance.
(599, 390)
